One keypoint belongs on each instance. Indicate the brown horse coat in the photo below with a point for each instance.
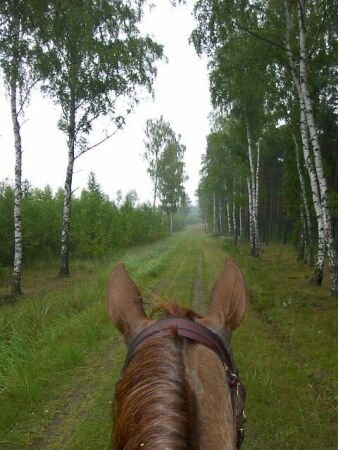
(173, 393)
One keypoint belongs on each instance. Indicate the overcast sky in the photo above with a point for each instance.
(181, 96)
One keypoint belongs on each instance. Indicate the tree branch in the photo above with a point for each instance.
(87, 149)
(253, 33)
(27, 94)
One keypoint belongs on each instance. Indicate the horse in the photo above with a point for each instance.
(179, 388)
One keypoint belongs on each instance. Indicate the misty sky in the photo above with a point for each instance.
(181, 96)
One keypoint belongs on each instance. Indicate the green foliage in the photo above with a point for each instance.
(251, 84)
(91, 54)
(99, 224)
(165, 153)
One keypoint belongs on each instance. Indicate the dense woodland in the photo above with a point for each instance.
(270, 168)
(100, 226)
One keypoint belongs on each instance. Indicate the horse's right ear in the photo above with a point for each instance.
(228, 301)
(124, 303)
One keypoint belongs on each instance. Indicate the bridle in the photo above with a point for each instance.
(188, 328)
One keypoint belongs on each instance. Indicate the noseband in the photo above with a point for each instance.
(187, 328)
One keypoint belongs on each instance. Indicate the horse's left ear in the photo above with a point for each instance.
(228, 301)
(125, 304)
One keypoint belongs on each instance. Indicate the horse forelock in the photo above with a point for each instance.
(154, 403)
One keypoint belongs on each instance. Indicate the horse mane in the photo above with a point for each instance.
(154, 403)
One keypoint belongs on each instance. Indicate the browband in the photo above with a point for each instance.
(188, 328)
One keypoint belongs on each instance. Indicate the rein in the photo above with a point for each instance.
(196, 332)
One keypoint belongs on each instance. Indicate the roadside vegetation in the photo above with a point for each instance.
(61, 356)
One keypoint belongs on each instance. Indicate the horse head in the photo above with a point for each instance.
(179, 388)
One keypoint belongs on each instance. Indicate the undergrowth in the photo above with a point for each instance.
(45, 336)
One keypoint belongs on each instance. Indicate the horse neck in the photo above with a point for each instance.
(154, 403)
(216, 428)
(173, 395)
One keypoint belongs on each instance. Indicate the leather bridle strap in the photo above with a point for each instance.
(185, 327)
(188, 329)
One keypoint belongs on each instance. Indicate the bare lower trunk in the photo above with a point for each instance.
(230, 231)
(219, 216)
(305, 210)
(318, 272)
(234, 214)
(301, 254)
(240, 224)
(16, 279)
(251, 225)
(171, 223)
(64, 255)
(155, 195)
(257, 239)
(214, 198)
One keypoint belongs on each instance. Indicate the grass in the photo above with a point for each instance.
(288, 352)
(44, 338)
(60, 356)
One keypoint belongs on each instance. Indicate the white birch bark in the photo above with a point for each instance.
(16, 277)
(230, 231)
(219, 216)
(234, 222)
(257, 239)
(251, 230)
(214, 198)
(317, 275)
(305, 210)
(156, 180)
(229, 222)
(253, 195)
(240, 224)
(305, 93)
(64, 255)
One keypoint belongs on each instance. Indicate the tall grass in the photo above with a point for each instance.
(43, 337)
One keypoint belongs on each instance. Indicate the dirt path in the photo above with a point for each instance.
(199, 296)
(284, 412)
(72, 409)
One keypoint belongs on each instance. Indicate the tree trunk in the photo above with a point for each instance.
(214, 198)
(251, 225)
(305, 211)
(253, 195)
(305, 93)
(301, 247)
(257, 239)
(16, 278)
(240, 224)
(230, 230)
(155, 195)
(64, 255)
(219, 216)
(317, 275)
(234, 214)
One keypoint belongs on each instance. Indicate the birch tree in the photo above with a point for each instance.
(16, 50)
(92, 55)
(158, 134)
(172, 177)
(312, 158)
